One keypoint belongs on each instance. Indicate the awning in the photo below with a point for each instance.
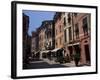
(73, 44)
(54, 50)
(45, 51)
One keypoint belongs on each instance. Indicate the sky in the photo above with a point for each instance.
(36, 18)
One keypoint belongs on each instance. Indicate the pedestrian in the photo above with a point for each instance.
(67, 58)
(77, 58)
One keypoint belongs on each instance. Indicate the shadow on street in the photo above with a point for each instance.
(41, 64)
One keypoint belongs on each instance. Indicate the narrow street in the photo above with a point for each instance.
(58, 38)
(40, 64)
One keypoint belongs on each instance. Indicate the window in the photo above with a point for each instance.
(56, 31)
(50, 43)
(65, 35)
(56, 43)
(75, 14)
(70, 34)
(40, 37)
(64, 21)
(85, 25)
(60, 40)
(60, 28)
(50, 35)
(69, 18)
(77, 30)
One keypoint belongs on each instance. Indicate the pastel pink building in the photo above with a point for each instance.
(77, 35)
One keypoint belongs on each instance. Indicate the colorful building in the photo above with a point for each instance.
(68, 31)
(77, 36)
(49, 35)
(68, 34)
(59, 30)
(82, 35)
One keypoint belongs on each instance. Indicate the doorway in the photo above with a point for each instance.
(87, 53)
(71, 52)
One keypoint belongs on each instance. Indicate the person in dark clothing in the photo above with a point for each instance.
(77, 58)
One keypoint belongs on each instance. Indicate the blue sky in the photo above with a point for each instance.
(36, 18)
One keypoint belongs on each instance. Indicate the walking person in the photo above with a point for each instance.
(77, 58)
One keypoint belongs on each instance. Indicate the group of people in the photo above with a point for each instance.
(76, 56)
(59, 56)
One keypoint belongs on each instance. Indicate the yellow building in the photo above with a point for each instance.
(59, 30)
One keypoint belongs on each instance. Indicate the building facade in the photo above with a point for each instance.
(35, 42)
(25, 37)
(41, 34)
(59, 30)
(49, 35)
(70, 31)
(46, 35)
(68, 34)
(82, 36)
(77, 36)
